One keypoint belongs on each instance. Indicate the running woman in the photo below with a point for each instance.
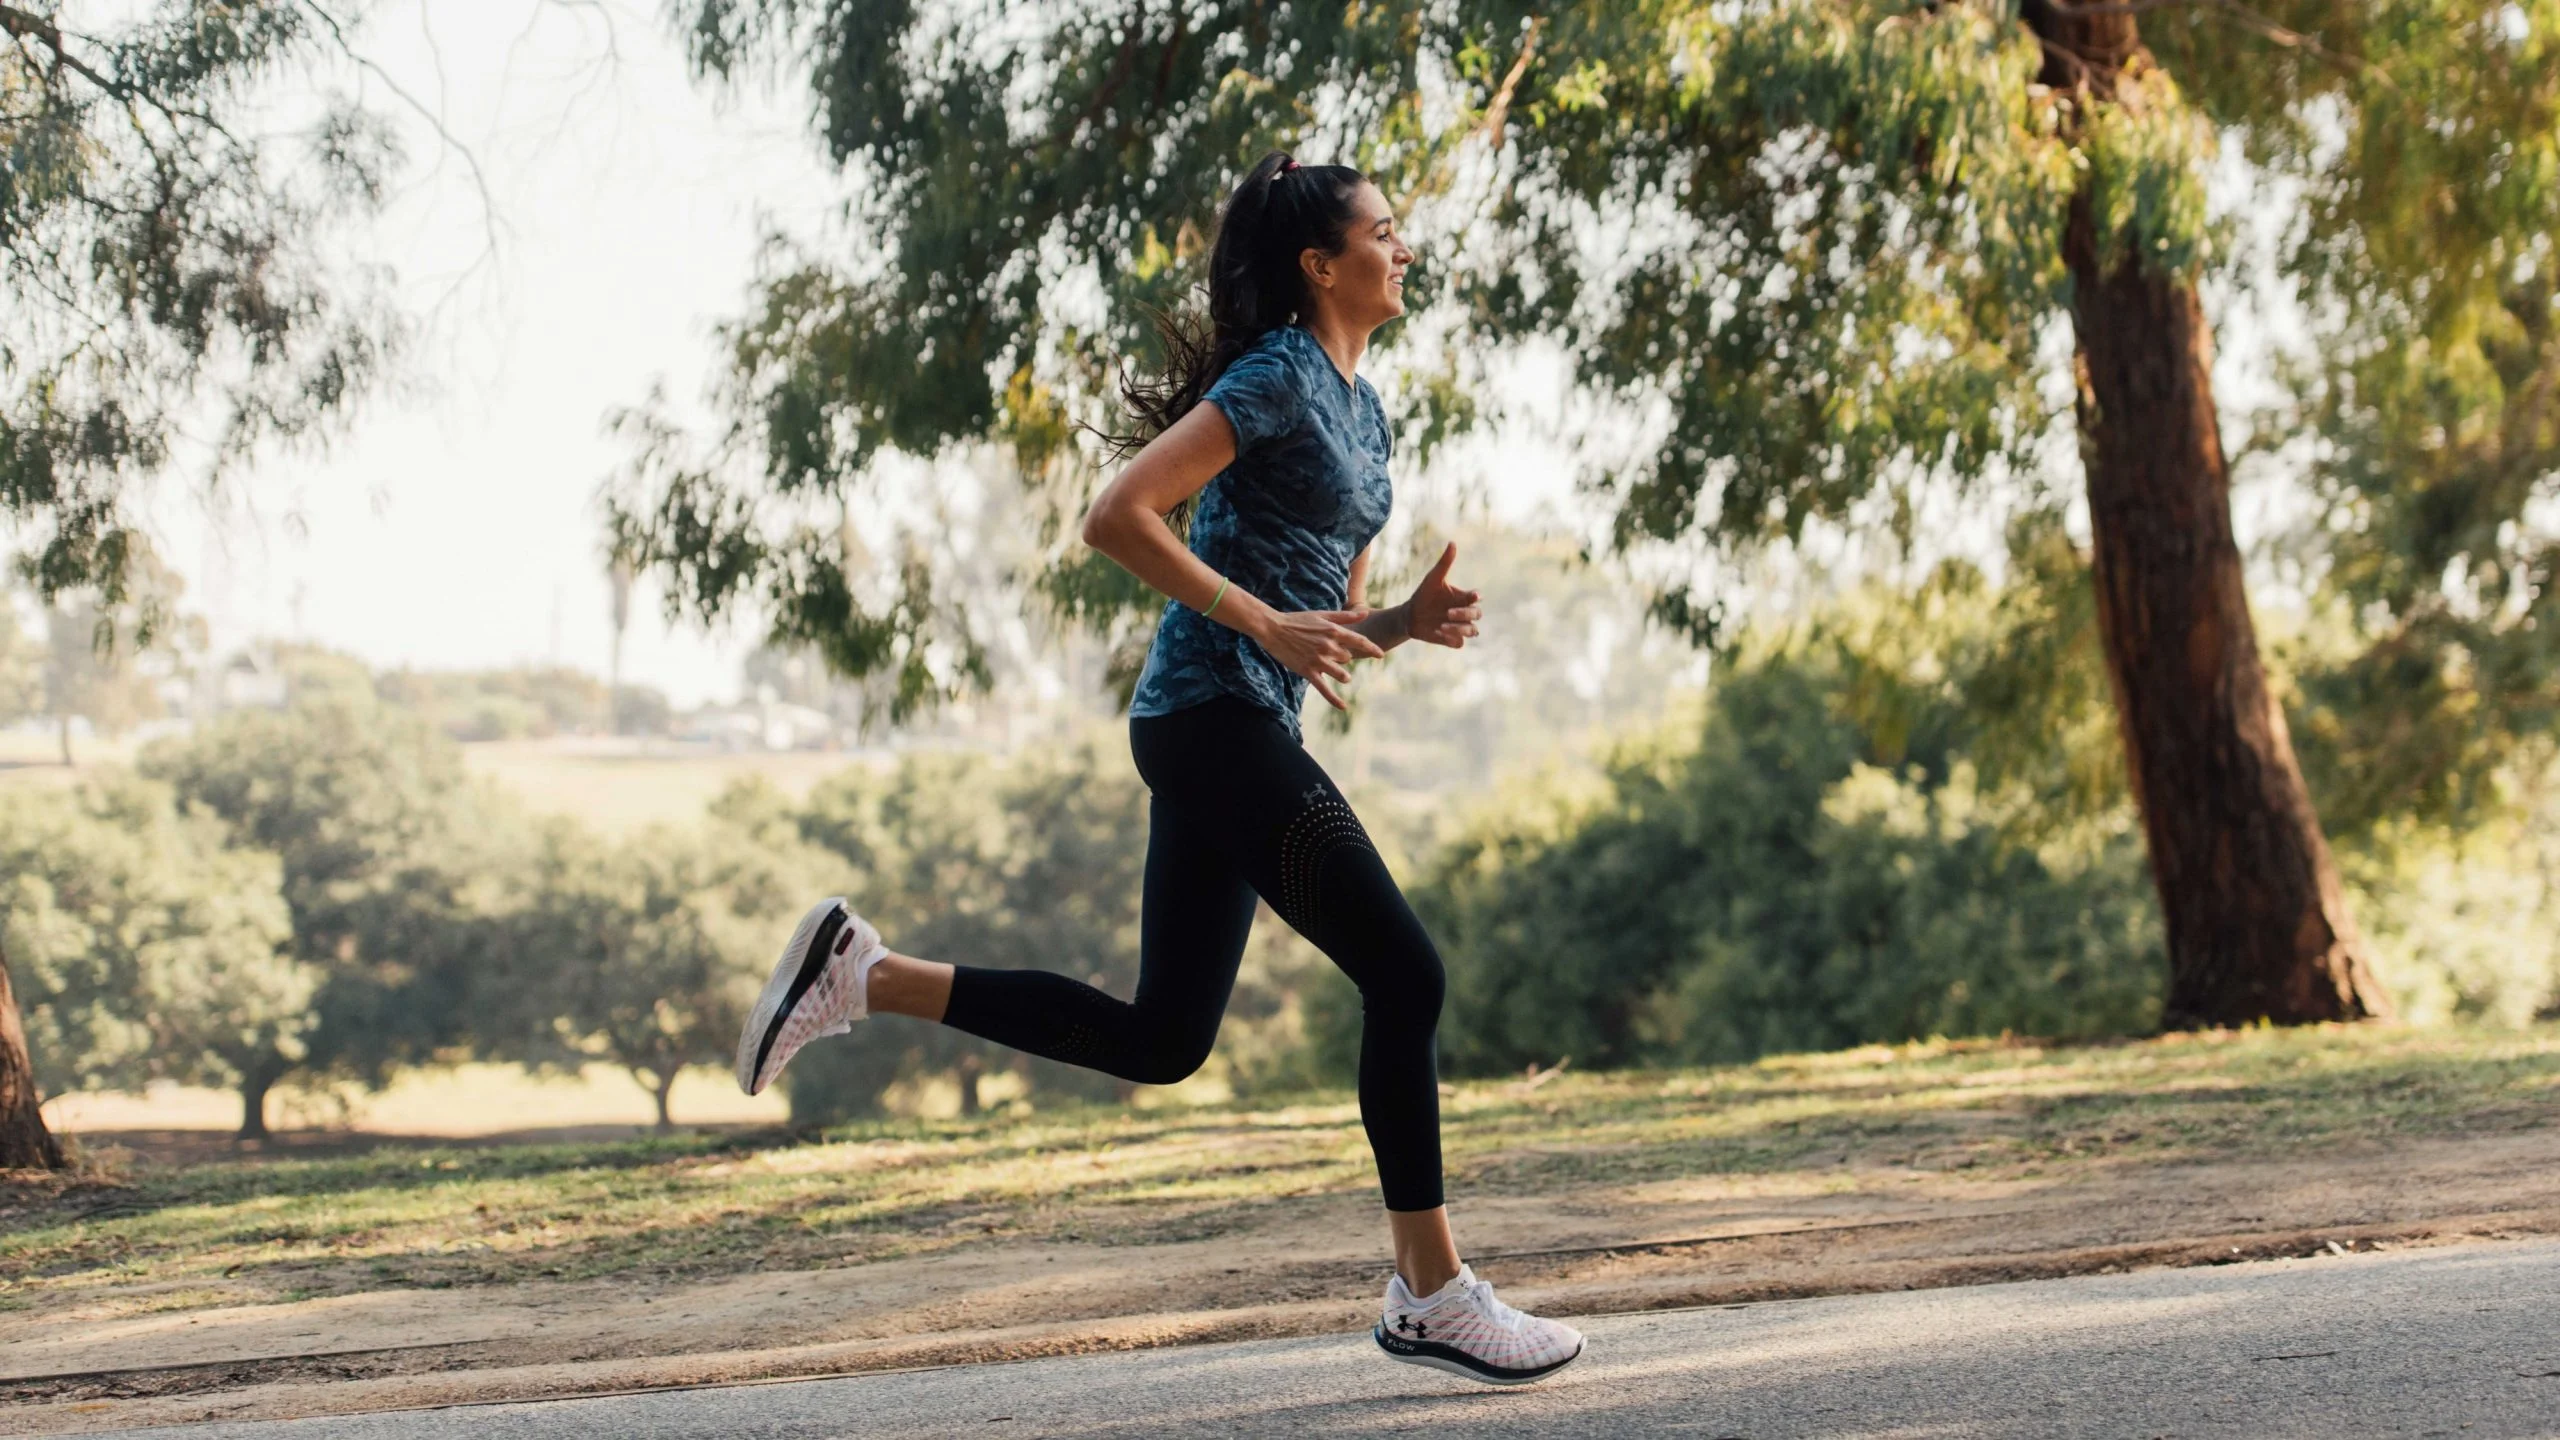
(1288, 458)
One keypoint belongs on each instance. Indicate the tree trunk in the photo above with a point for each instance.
(619, 574)
(254, 1085)
(66, 742)
(663, 1088)
(25, 1143)
(970, 1068)
(2257, 924)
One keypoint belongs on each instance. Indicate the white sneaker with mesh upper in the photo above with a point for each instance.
(816, 989)
(1463, 1329)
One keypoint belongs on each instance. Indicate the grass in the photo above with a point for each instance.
(249, 1230)
(620, 791)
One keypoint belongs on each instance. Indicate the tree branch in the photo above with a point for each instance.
(2117, 7)
(1110, 87)
(2239, 14)
(2071, 58)
(23, 25)
(1172, 51)
(479, 178)
(1500, 108)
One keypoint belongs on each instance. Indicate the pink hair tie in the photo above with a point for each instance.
(1288, 165)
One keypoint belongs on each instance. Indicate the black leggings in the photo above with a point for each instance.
(1240, 809)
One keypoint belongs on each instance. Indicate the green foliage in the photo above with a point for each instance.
(961, 857)
(1567, 656)
(1857, 247)
(239, 1232)
(1834, 232)
(90, 672)
(2426, 142)
(410, 916)
(314, 673)
(388, 855)
(142, 945)
(22, 660)
(341, 788)
(1816, 864)
(165, 239)
(1033, 861)
(648, 953)
(1809, 251)
(526, 702)
(105, 658)
(641, 710)
(2465, 920)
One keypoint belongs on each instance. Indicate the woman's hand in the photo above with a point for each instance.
(1441, 612)
(1318, 644)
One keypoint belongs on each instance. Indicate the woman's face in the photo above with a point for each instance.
(1364, 284)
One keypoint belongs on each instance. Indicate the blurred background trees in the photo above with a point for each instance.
(1796, 870)
(371, 817)
(1832, 265)
(1838, 841)
(145, 946)
(1861, 711)
(175, 292)
(645, 953)
(105, 660)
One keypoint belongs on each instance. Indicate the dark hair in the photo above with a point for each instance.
(1280, 210)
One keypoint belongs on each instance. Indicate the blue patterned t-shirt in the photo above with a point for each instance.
(1305, 495)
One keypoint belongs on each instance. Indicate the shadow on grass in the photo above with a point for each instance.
(1602, 1129)
(476, 1244)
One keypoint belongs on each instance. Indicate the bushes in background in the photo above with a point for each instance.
(1786, 872)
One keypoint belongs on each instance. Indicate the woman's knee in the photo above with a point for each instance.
(1171, 1063)
(1409, 991)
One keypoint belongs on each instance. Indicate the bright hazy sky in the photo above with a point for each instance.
(452, 523)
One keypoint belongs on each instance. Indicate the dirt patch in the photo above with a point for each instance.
(1282, 1267)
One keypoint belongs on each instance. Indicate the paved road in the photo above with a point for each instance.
(2461, 1343)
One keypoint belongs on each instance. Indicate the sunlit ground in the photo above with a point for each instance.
(702, 1204)
(462, 1101)
(623, 785)
(618, 786)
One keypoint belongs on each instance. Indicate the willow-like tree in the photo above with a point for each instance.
(1831, 252)
(164, 272)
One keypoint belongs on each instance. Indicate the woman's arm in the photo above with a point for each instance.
(1127, 518)
(1127, 524)
(1388, 628)
(1437, 611)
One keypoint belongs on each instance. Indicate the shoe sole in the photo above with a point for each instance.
(1459, 1362)
(803, 960)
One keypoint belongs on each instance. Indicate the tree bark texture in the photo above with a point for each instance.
(25, 1143)
(253, 1103)
(2258, 926)
(662, 1088)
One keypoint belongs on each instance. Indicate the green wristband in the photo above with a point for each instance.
(1214, 599)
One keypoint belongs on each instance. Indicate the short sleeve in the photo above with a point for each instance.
(1258, 394)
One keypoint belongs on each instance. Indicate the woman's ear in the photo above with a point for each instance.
(1317, 265)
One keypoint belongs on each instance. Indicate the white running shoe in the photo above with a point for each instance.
(1463, 1329)
(816, 989)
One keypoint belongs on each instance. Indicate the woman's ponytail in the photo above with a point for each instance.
(1279, 211)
